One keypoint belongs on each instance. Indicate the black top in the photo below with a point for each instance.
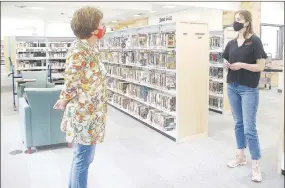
(248, 52)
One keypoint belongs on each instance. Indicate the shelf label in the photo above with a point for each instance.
(199, 35)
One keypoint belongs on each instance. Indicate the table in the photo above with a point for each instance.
(22, 81)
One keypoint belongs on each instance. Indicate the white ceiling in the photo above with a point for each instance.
(62, 11)
(122, 11)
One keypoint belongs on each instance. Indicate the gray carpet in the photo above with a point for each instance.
(134, 156)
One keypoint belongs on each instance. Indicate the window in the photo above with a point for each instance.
(272, 37)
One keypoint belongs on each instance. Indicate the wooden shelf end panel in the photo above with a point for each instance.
(192, 79)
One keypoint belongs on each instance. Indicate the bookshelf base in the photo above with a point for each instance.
(216, 110)
(148, 125)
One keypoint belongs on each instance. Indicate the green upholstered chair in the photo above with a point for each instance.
(41, 81)
(40, 123)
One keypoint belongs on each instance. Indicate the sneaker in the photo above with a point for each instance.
(256, 174)
(238, 161)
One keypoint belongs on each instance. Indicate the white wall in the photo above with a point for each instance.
(21, 27)
(33, 27)
(272, 12)
(211, 16)
(58, 29)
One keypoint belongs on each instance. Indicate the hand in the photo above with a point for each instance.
(227, 65)
(60, 105)
(63, 126)
(236, 66)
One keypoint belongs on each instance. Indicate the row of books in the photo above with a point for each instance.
(31, 55)
(216, 42)
(61, 45)
(161, 79)
(31, 50)
(56, 64)
(43, 44)
(216, 57)
(57, 54)
(216, 72)
(142, 58)
(30, 44)
(30, 64)
(145, 94)
(216, 87)
(146, 113)
(216, 102)
(57, 75)
(151, 40)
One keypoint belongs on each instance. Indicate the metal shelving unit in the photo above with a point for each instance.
(216, 72)
(42, 53)
(144, 42)
(33, 53)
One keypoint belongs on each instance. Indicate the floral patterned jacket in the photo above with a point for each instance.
(84, 118)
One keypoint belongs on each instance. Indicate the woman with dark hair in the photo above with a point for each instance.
(246, 59)
(83, 96)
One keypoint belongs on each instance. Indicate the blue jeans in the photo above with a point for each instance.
(82, 157)
(244, 103)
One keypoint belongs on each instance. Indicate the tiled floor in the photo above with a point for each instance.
(134, 156)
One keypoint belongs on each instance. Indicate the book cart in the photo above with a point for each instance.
(159, 76)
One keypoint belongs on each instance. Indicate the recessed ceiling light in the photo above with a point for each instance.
(169, 6)
(152, 11)
(114, 21)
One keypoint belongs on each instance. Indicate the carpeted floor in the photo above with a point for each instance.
(134, 156)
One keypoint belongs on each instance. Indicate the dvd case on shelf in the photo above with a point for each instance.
(170, 40)
(215, 42)
(170, 81)
(142, 57)
(170, 60)
(216, 72)
(154, 40)
(142, 41)
(216, 57)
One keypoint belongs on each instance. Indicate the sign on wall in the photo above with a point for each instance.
(164, 19)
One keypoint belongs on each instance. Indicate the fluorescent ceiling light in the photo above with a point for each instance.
(136, 15)
(169, 6)
(114, 21)
(36, 8)
(152, 11)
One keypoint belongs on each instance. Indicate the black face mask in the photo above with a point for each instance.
(238, 26)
